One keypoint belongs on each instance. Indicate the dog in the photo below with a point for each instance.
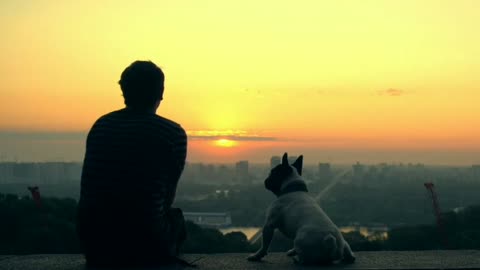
(316, 239)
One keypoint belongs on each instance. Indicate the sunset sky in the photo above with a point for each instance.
(339, 81)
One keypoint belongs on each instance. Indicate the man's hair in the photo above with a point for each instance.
(142, 84)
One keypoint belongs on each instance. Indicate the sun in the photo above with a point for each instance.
(225, 143)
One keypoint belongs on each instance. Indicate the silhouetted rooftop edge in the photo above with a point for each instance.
(439, 259)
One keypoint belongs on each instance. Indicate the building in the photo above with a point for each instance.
(40, 173)
(241, 171)
(51, 172)
(274, 161)
(224, 173)
(324, 171)
(291, 159)
(476, 171)
(26, 171)
(6, 172)
(209, 219)
(358, 170)
(205, 171)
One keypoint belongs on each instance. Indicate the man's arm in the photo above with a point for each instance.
(180, 156)
(180, 150)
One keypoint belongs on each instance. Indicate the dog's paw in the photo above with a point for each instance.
(297, 260)
(349, 259)
(291, 252)
(255, 257)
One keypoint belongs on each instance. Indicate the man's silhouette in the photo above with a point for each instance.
(133, 161)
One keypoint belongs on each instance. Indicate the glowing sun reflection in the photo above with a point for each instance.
(225, 143)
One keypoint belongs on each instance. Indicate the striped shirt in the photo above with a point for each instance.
(132, 165)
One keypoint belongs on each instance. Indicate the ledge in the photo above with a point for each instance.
(395, 260)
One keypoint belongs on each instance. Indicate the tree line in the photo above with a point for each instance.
(26, 228)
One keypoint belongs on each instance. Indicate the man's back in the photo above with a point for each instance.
(132, 164)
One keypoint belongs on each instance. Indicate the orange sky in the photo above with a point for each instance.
(322, 75)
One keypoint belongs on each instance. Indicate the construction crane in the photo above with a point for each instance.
(38, 201)
(36, 195)
(438, 214)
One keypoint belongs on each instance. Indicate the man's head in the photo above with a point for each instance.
(142, 84)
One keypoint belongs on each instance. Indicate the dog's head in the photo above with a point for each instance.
(283, 172)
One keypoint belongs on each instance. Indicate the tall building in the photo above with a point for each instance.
(274, 161)
(6, 172)
(324, 171)
(358, 170)
(224, 173)
(476, 171)
(291, 159)
(210, 171)
(241, 171)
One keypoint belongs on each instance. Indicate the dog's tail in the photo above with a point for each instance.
(330, 244)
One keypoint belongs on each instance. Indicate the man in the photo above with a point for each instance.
(133, 161)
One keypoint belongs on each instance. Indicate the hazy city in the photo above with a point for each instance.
(392, 194)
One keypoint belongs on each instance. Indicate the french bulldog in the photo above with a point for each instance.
(316, 239)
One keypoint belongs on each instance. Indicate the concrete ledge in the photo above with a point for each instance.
(422, 260)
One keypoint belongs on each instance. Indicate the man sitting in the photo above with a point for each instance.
(133, 161)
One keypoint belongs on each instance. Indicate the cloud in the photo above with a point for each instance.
(207, 135)
(41, 136)
(392, 92)
(234, 135)
(233, 138)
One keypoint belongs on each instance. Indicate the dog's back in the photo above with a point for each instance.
(316, 238)
(299, 209)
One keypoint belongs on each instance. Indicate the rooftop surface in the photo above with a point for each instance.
(458, 259)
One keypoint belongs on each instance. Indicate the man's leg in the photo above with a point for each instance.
(177, 230)
(168, 237)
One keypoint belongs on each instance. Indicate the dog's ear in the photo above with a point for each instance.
(285, 159)
(298, 164)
